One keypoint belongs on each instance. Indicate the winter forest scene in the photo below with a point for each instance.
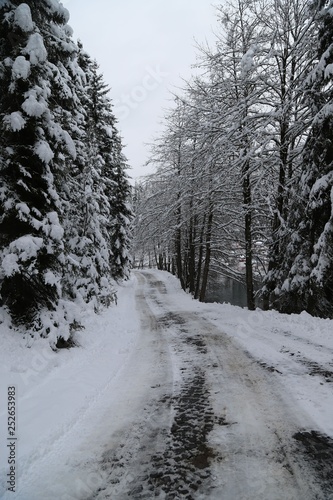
(166, 250)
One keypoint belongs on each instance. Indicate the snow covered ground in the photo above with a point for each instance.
(108, 419)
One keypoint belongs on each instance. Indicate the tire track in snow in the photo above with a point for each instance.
(263, 430)
(170, 456)
(222, 431)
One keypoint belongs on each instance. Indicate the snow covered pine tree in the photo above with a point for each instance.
(105, 154)
(88, 209)
(31, 235)
(43, 128)
(308, 266)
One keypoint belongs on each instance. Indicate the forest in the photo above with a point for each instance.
(119, 378)
(64, 191)
(243, 174)
(243, 177)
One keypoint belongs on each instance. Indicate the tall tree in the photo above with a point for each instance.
(307, 279)
(63, 175)
(290, 52)
(34, 147)
(116, 213)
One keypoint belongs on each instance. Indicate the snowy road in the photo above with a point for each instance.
(180, 400)
(215, 424)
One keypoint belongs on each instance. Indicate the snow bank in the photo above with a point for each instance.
(58, 394)
(64, 398)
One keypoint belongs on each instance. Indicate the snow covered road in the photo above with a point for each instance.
(233, 428)
(177, 399)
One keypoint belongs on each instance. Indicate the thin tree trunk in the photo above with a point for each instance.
(191, 261)
(200, 258)
(207, 256)
(248, 240)
(179, 263)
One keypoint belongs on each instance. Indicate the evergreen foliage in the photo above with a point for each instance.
(63, 185)
(307, 273)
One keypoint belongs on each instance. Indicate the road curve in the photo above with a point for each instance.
(210, 422)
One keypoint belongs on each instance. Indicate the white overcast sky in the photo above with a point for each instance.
(143, 48)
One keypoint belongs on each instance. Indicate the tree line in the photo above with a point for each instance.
(64, 190)
(243, 182)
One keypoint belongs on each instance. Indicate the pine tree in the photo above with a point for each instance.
(121, 223)
(308, 267)
(292, 48)
(116, 213)
(89, 277)
(31, 233)
(64, 216)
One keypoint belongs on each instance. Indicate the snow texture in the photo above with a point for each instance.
(328, 71)
(56, 231)
(23, 210)
(15, 121)
(57, 8)
(27, 246)
(32, 106)
(247, 61)
(36, 49)
(69, 144)
(44, 152)
(321, 184)
(21, 250)
(51, 279)
(10, 264)
(23, 19)
(74, 404)
(21, 68)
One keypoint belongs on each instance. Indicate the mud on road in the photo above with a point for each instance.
(212, 424)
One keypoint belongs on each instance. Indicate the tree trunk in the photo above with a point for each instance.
(179, 263)
(207, 256)
(248, 240)
(200, 257)
(191, 262)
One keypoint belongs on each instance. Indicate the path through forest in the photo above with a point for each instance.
(213, 423)
(165, 397)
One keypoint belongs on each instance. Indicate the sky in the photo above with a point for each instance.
(144, 49)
